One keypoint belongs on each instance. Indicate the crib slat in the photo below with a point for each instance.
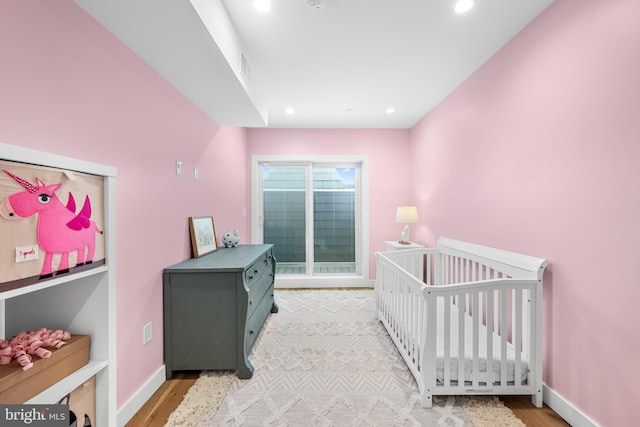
(476, 340)
(416, 332)
(423, 331)
(490, 338)
(465, 278)
(461, 354)
(474, 271)
(416, 325)
(428, 371)
(449, 269)
(517, 340)
(504, 316)
(482, 311)
(447, 341)
(496, 314)
(402, 299)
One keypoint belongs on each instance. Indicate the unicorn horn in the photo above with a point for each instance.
(26, 184)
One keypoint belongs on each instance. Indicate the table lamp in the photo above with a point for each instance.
(406, 215)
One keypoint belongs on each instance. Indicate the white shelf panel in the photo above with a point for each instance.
(51, 282)
(60, 389)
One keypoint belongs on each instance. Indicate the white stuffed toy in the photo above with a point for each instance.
(231, 238)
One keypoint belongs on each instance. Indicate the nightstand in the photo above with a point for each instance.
(394, 245)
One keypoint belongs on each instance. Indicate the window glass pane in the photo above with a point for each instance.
(284, 216)
(334, 220)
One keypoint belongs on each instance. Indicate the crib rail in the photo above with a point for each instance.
(438, 305)
(401, 306)
(492, 313)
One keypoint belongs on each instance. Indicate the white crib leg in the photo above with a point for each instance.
(536, 399)
(426, 399)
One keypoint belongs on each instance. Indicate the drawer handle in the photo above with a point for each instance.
(251, 332)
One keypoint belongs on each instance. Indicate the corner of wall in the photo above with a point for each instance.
(140, 397)
(565, 409)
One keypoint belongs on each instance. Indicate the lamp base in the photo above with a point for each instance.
(404, 236)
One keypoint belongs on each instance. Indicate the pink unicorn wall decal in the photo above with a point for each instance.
(59, 229)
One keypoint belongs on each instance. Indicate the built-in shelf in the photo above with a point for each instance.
(82, 303)
(70, 383)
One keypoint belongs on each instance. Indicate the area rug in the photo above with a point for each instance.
(324, 360)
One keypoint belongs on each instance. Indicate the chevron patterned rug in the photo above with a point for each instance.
(324, 360)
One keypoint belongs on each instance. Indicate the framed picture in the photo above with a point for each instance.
(203, 235)
(62, 234)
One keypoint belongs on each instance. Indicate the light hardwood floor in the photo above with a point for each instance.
(164, 401)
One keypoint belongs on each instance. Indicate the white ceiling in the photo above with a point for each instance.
(340, 66)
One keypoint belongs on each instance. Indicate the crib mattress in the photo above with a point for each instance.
(468, 351)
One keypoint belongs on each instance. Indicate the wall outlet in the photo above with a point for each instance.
(147, 333)
(178, 167)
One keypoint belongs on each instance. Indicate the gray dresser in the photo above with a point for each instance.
(214, 308)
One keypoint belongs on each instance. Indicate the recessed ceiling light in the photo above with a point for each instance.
(390, 110)
(262, 5)
(463, 6)
(289, 111)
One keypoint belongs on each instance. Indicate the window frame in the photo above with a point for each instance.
(362, 220)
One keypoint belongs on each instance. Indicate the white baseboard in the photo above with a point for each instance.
(137, 401)
(565, 409)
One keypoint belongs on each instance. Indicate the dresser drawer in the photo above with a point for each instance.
(263, 263)
(256, 320)
(258, 288)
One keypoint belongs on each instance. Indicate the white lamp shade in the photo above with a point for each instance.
(407, 215)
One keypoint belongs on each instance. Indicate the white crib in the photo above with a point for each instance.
(470, 300)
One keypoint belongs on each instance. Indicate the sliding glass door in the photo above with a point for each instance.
(310, 212)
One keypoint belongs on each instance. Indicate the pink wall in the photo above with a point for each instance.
(535, 153)
(69, 87)
(388, 154)
(538, 153)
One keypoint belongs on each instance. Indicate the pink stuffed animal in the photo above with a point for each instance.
(24, 344)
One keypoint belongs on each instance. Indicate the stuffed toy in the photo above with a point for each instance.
(231, 238)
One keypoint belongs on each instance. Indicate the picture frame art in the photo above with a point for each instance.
(203, 235)
(52, 223)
